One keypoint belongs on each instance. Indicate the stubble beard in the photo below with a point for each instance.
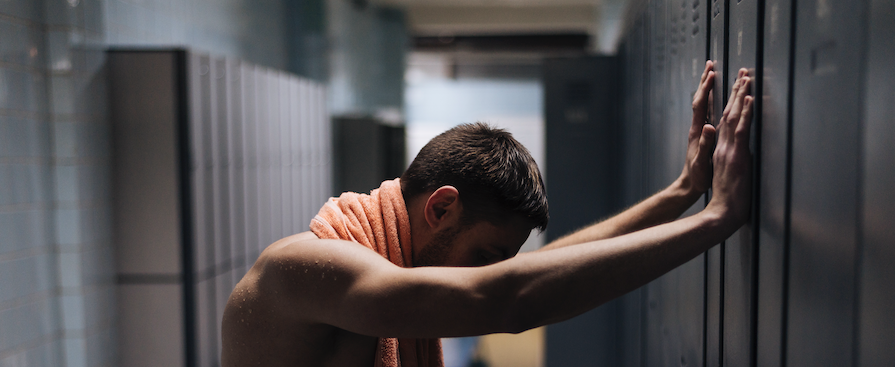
(436, 251)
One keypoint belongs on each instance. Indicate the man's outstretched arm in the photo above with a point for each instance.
(342, 284)
(668, 204)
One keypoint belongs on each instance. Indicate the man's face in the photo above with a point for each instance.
(479, 244)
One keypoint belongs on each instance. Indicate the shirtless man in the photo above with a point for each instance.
(309, 301)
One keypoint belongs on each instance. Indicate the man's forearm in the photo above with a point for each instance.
(663, 207)
(556, 285)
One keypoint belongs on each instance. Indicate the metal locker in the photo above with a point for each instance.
(230, 119)
(221, 168)
(829, 55)
(250, 157)
(237, 168)
(308, 175)
(739, 250)
(285, 143)
(582, 121)
(264, 160)
(297, 165)
(773, 204)
(658, 59)
(150, 231)
(323, 134)
(877, 324)
(714, 268)
(197, 183)
(274, 147)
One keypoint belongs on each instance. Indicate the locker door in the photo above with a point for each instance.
(877, 328)
(675, 302)
(298, 165)
(274, 148)
(286, 162)
(773, 204)
(581, 121)
(830, 51)
(264, 157)
(206, 295)
(739, 253)
(250, 155)
(714, 267)
(237, 168)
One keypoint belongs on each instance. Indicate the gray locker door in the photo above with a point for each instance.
(714, 267)
(286, 161)
(675, 302)
(773, 205)
(877, 276)
(581, 106)
(830, 50)
(237, 168)
(275, 148)
(737, 335)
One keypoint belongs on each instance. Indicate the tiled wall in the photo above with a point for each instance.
(30, 331)
(57, 297)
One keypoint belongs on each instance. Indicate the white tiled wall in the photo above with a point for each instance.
(29, 322)
(56, 259)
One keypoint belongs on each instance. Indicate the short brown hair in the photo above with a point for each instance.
(493, 172)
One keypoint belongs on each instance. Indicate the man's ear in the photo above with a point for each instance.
(443, 208)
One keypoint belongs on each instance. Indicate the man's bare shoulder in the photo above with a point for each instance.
(278, 309)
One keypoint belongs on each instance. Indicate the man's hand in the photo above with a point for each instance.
(731, 184)
(697, 175)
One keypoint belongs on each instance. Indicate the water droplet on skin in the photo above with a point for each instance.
(250, 310)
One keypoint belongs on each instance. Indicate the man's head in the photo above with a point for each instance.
(486, 177)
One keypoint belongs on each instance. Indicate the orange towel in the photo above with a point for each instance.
(380, 222)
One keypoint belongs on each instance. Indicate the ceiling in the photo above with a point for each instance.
(442, 18)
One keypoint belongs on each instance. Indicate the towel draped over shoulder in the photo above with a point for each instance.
(380, 222)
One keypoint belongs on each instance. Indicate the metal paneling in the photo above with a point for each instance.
(739, 252)
(655, 331)
(826, 133)
(674, 314)
(239, 122)
(877, 275)
(285, 143)
(237, 167)
(773, 205)
(714, 257)
(297, 158)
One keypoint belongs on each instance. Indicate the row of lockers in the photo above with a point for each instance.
(215, 159)
(807, 281)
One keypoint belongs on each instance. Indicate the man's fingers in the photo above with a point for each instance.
(735, 90)
(743, 128)
(705, 72)
(730, 100)
(706, 142)
(700, 103)
(734, 109)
